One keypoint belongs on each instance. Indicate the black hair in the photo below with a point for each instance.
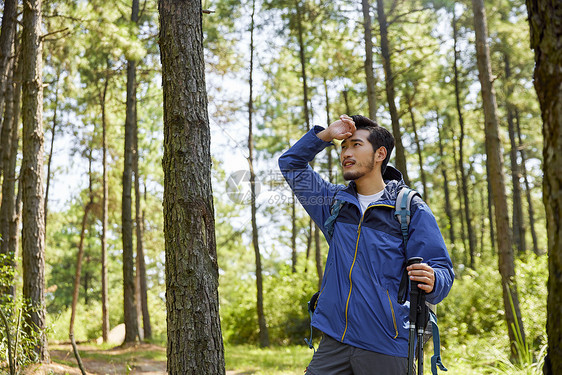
(378, 136)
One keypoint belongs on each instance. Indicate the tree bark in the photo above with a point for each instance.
(464, 179)
(495, 163)
(369, 73)
(129, 303)
(390, 95)
(545, 19)
(263, 332)
(33, 230)
(105, 199)
(9, 219)
(194, 334)
(7, 35)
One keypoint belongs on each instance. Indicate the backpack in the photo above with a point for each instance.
(402, 214)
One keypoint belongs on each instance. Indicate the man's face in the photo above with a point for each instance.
(357, 155)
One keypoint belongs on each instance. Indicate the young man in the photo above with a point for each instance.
(365, 328)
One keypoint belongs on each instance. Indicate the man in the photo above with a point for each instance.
(365, 328)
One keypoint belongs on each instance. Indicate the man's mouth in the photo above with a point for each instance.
(348, 163)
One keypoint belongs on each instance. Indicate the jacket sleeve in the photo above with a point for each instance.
(425, 240)
(314, 193)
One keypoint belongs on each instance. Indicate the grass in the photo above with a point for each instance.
(247, 359)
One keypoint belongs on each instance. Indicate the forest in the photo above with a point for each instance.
(145, 226)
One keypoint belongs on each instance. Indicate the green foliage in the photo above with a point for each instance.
(285, 299)
(472, 323)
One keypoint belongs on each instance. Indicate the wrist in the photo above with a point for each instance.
(325, 135)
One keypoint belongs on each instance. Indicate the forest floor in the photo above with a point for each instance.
(146, 359)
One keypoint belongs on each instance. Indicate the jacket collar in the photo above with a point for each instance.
(393, 180)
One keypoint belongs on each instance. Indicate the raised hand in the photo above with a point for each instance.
(340, 129)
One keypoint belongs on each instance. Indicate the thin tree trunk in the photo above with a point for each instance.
(50, 159)
(518, 225)
(105, 204)
(490, 208)
(9, 221)
(7, 35)
(495, 163)
(328, 122)
(80, 255)
(294, 235)
(464, 179)
(460, 208)
(448, 210)
(33, 230)
(263, 334)
(369, 73)
(531, 211)
(192, 304)
(141, 266)
(389, 81)
(418, 148)
(302, 58)
(129, 303)
(545, 19)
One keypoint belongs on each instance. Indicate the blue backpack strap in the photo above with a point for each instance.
(331, 221)
(402, 212)
(436, 359)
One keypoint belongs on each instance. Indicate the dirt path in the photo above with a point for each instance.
(100, 362)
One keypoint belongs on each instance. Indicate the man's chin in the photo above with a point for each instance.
(350, 176)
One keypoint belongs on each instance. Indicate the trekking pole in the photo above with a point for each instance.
(421, 319)
(414, 306)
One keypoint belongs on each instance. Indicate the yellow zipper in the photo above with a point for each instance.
(393, 316)
(351, 269)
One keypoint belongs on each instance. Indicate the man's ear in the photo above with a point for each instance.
(380, 154)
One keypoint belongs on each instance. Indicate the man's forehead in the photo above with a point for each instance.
(359, 135)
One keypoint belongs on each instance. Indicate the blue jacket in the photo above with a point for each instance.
(358, 297)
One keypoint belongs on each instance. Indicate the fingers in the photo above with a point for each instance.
(423, 274)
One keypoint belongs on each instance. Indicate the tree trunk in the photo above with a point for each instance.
(294, 235)
(448, 210)
(389, 81)
(263, 334)
(545, 19)
(531, 211)
(418, 147)
(369, 73)
(142, 299)
(460, 199)
(464, 179)
(80, 254)
(518, 225)
(129, 303)
(328, 122)
(104, 280)
(194, 334)
(495, 163)
(7, 35)
(50, 159)
(9, 219)
(33, 230)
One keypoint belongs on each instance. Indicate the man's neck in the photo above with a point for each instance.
(370, 184)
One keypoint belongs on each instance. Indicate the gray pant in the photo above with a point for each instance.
(336, 358)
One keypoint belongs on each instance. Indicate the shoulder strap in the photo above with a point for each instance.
(402, 210)
(402, 213)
